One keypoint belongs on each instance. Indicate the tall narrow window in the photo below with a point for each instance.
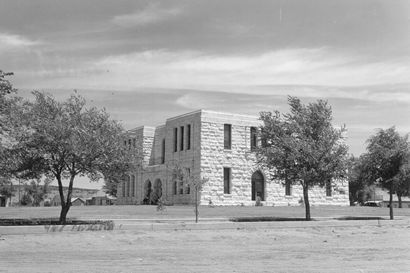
(163, 152)
(328, 188)
(188, 137)
(227, 136)
(175, 139)
(123, 189)
(288, 188)
(253, 138)
(175, 188)
(227, 180)
(128, 186)
(181, 142)
(134, 142)
(133, 186)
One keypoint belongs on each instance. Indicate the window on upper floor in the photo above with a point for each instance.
(227, 136)
(134, 142)
(254, 138)
(188, 137)
(181, 141)
(227, 180)
(175, 139)
(163, 152)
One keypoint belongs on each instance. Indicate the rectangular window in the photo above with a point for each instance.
(134, 142)
(175, 139)
(181, 187)
(181, 142)
(227, 180)
(288, 188)
(163, 152)
(123, 189)
(254, 138)
(188, 137)
(227, 136)
(328, 188)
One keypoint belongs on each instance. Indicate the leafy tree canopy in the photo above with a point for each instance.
(303, 146)
(64, 140)
(386, 161)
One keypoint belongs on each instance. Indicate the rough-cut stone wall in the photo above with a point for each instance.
(184, 158)
(207, 158)
(242, 162)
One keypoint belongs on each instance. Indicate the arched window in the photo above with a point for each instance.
(175, 187)
(258, 186)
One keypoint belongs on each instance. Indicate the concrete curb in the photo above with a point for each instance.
(160, 225)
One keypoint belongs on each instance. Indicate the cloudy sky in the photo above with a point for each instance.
(146, 61)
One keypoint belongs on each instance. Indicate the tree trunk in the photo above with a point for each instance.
(399, 197)
(63, 213)
(306, 201)
(65, 204)
(391, 204)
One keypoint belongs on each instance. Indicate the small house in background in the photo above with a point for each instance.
(4, 201)
(101, 199)
(384, 197)
(75, 201)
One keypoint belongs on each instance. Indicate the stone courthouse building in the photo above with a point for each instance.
(219, 147)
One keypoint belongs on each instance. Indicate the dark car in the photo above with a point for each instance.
(373, 204)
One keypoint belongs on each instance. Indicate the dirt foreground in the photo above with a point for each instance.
(348, 248)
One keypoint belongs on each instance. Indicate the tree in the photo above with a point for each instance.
(403, 184)
(360, 189)
(66, 140)
(6, 188)
(35, 192)
(386, 159)
(191, 181)
(8, 105)
(303, 146)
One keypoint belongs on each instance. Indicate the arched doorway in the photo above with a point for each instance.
(157, 191)
(147, 193)
(258, 186)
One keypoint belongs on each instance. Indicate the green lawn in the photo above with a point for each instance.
(184, 212)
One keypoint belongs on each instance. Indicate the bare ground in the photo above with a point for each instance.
(351, 248)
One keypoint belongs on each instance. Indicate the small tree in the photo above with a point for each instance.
(65, 140)
(303, 146)
(195, 183)
(403, 184)
(36, 192)
(386, 159)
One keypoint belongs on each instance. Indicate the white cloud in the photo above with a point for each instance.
(13, 41)
(317, 72)
(151, 14)
(284, 69)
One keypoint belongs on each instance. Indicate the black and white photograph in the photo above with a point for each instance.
(205, 136)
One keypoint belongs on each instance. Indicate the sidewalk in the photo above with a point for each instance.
(203, 224)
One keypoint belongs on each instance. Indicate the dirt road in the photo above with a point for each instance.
(310, 249)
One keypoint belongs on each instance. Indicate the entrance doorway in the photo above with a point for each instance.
(258, 186)
(157, 191)
(147, 193)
